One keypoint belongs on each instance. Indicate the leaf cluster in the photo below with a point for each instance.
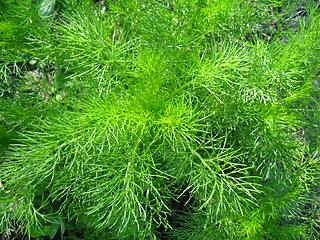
(160, 119)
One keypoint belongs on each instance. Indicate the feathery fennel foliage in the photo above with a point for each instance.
(160, 119)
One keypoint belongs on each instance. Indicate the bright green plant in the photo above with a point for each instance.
(160, 119)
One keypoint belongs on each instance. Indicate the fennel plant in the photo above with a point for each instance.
(160, 119)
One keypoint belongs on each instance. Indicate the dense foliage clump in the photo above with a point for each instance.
(159, 119)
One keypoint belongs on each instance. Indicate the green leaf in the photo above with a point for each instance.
(53, 230)
(61, 223)
(35, 232)
(46, 8)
